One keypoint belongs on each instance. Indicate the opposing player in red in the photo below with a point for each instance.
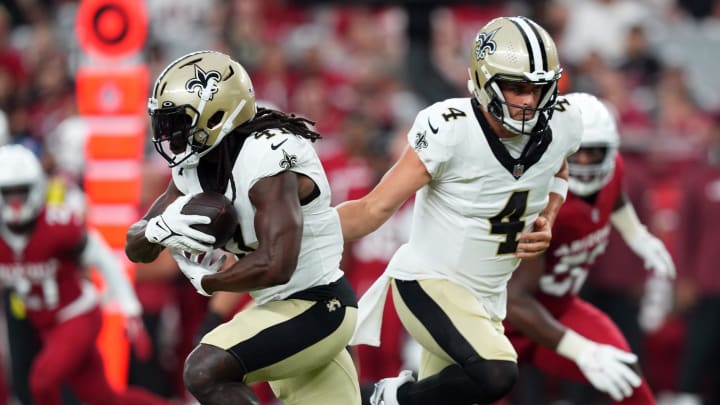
(44, 251)
(547, 323)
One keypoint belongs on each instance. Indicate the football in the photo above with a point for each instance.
(223, 218)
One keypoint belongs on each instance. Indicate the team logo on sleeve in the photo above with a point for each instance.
(421, 140)
(484, 44)
(288, 161)
(205, 83)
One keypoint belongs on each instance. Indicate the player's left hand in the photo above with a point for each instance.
(174, 230)
(195, 267)
(138, 337)
(654, 254)
(532, 244)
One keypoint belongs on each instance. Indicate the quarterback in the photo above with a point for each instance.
(489, 175)
(548, 324)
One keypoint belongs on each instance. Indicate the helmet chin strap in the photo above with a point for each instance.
(192, 160)
(520, 127)
(187, 159)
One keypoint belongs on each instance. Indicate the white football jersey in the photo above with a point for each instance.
(265, 154)
(468, 219)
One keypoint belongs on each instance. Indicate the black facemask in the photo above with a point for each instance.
(173, 128)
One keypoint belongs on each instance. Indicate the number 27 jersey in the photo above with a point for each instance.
(580, 234)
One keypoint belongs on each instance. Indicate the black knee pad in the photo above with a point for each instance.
(494, 378)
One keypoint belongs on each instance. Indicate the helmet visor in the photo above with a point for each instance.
(173, 124)
(590, 164)
(16, 194)
(173, 129)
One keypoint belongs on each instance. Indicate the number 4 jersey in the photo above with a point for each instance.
(467, 220)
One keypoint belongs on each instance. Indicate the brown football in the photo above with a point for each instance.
(223, 218)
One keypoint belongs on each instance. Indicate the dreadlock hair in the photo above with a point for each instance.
(267, 118)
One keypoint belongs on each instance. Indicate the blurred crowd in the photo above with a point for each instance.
(361, 72)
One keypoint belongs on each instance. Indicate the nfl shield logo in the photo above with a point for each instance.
(518, 170)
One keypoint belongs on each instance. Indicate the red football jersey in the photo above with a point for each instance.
(347, 175)
(44, 268)
(580, 234)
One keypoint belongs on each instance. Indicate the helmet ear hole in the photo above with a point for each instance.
(215, 119)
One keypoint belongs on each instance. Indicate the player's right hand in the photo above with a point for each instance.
(174, 230)
(608, 370)
(535, 243)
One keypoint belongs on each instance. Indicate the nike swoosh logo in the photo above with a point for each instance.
(275, 146)
(434, 130)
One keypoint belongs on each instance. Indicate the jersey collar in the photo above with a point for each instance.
(531, 154)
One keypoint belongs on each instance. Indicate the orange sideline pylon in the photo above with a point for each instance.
(111, 89)
(113, 181)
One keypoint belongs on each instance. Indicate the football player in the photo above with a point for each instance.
(44, 251)
(206, 124)
(489, 175)
(548, 324)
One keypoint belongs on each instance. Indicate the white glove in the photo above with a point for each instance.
(195, 269)
(642, 242)
(606, 367)
(173, 229)
(654, 254)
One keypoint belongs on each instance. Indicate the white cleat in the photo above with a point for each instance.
(386, 389)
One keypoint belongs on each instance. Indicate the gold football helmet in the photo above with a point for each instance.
(514, 49)
(196, 101)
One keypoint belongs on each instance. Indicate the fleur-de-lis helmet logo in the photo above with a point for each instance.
(484, 44)
(205, 83)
